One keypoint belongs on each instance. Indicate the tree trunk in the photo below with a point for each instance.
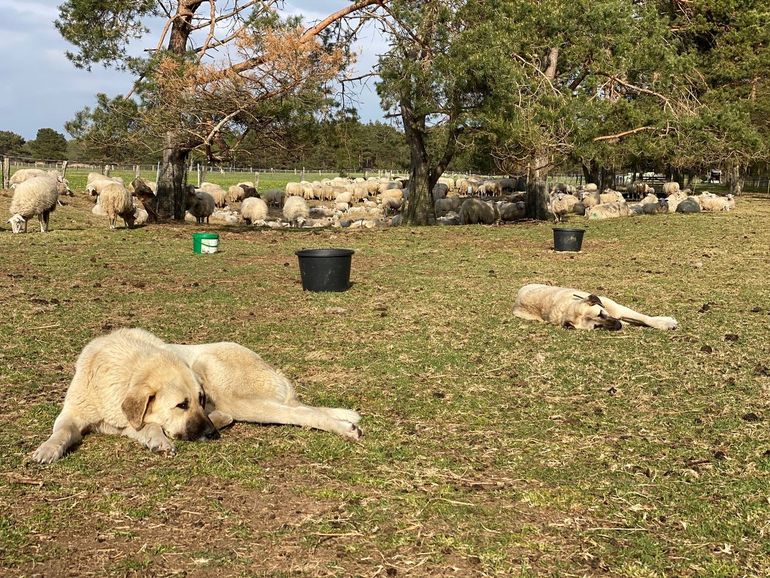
(170, 197)
(592, 173)
(538, 201)
(419, 203)
(734, 179)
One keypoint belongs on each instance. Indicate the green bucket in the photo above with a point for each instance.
(205, 243)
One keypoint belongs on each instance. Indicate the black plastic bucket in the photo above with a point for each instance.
(567, 239)
(325, 269)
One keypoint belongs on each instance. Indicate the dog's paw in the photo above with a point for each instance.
(219, 419)
(161, 445)
(667, 323)
(47, 453)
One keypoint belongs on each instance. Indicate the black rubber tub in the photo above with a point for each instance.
(567, 239)
(325, 269)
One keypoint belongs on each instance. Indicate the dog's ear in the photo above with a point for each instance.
(135, 405)
(594, 300)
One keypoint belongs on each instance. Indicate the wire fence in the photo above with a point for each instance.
(197, 172)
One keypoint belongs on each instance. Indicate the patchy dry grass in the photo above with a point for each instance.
(494, 447)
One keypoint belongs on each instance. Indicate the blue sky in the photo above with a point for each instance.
(40, 88)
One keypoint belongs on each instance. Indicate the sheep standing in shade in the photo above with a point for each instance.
(295, 211)
(200, 204)
(475, 211)
(36, 196)
(253, 210)
(116, 201)
(216, 192)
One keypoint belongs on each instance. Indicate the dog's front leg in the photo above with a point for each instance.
(152, 436)
(628, 315)
(66, 433)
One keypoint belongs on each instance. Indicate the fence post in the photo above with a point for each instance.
(256, 181)
(106, 170)
(198, 168)
(6, 177)
(64, 168)
(157, 174)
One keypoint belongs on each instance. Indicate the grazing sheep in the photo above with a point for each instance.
(590, 187)
(200, 204)
(475, 211)
(607, 211)
(116, 201)
(440, 191)
(235, 194)
(293, 190)
(273, 197)
(145, 192)
(392, 199)
(249, 190)
(346, 197)
(512, 211)
(295, 211)
(36, 196)
(97, 182)
(217, 193)
(253, 209)
(444, 206)
(561, 204)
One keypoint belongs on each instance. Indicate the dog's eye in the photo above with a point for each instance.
(202, 399)
(184, 405)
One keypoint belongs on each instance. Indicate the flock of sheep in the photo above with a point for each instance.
(342, 202)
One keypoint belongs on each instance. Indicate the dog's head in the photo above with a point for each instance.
(166, 392)
(589, 313)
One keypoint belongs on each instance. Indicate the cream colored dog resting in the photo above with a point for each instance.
(572, 308)
(130, 382)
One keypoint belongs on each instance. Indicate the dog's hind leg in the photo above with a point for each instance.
(628, 315)
(66, 433)
(265, 411)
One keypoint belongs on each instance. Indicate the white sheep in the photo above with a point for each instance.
(22, 175)
(216, 192)
(607, 211)
(712, 202)
(670, 188)
(561, 204)
(674, 199)
(235, 193)
(295, 210)
(610, 196)
(392, 199)
(36, 196)
(253, 209)
(116, 201)
(200, 204)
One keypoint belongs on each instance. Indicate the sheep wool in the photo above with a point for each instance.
(117, 202)
(295, 210)
(253, 209)
(200, 204)
(35, 197)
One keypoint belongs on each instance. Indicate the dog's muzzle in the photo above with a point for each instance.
(201, 429)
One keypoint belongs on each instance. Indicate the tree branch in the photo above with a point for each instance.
(624, 133)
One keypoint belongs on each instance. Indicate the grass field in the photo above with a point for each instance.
(493, 447)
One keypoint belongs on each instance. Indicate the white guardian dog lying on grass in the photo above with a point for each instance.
(130, 382)
(575, 309)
